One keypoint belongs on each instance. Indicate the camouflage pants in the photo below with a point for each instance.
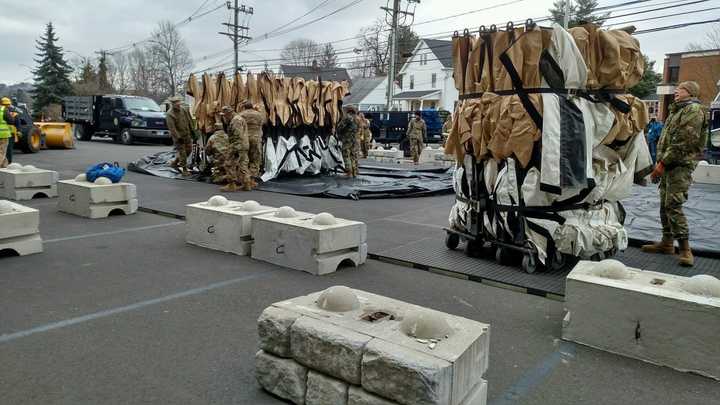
(4, 143)
(416, 147)
(255, 155)
(236, 163)
(350, 156)
(674, 185)
(219, 174)
(183, 146)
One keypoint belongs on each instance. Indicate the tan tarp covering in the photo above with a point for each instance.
(499, 126)
(288, 102)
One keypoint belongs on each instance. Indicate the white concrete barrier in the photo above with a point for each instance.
(429, 155)
(223, 225)
(706, 173)
(20, 183)
(19, 229)
(377, 349)
(660, 318)
(98, 199)
(317, 244)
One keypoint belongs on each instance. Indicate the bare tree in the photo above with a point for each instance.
(301, 52)
(120, 72)
(328, 57)
(374, 48)
(173, 57)
(143, 72)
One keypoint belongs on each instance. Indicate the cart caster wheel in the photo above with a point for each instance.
(558, 261)
(473, 248)
(502, 256)
(452, 240)
(529, 264)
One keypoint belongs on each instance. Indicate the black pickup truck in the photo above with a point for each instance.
(123, 118)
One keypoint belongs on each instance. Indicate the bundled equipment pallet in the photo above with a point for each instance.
(547, 142)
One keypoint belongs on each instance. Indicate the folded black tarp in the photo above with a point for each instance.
(373, 181)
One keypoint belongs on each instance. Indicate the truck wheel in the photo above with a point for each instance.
(31, 143)
(82, 133)
(125, 137)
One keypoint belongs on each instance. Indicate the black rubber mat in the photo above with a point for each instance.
(431, 254)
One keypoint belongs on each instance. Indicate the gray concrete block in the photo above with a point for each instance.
(23, 245)
(18, 220)
(466, 347)
(298, 240)
(328, 348)
(324, 390)
(26, 183)
(274, 330)
(282, 377)
(94, 201)
(707, 174)
(406, 376)
(226, 227)
(358, 396)
(655, 317)
(478, 395)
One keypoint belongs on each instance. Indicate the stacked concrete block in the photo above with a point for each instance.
(98, 199)
(360, 348)
(317, 244)
(444, 160)
(19, 229)
(706, 173)
(392, 155)
(428, 155)
(660, 318)
(223, 225)
(18, 182)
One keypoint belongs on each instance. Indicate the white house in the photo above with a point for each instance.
(369, 94)
(426, 79)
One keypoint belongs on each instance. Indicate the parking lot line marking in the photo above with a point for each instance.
(92, 235)
(114, 311)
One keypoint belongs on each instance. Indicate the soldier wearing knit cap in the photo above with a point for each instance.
(683, 138)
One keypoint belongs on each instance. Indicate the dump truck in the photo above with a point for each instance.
(123, 118)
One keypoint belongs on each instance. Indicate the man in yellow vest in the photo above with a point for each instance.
(6, 120)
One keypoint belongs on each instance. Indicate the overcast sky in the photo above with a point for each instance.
(86, 26)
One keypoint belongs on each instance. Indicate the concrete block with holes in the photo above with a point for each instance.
(19, 229)
(223, 225)
(317, 244)
(660, 318)
(21, 183)
(96, 200)
(706, 173)
(379, 350)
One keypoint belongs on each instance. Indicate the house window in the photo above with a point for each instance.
(412, 82)
(434, 80)
(400, 81)
(423, 59)
(674, 74)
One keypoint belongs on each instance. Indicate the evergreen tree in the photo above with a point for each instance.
(52, 76)
(649, 81)
(581, 12)
(88, 75)
(102, 73)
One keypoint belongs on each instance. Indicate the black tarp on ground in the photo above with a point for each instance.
(702, 211)
(373, 181)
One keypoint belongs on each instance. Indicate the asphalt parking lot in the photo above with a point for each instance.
(123, 311)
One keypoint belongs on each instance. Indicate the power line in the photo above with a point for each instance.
(676, 26)
(302, 16)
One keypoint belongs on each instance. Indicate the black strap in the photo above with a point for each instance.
(591, 95)
(521, 93)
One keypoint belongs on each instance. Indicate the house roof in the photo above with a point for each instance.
(693, 52)
(361, 87)
(442, 50)
(406, 95)
(309, 73)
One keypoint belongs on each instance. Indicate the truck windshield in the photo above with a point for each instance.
(141, 104)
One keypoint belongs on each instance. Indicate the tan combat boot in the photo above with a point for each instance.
(685, 256)
(665, 246)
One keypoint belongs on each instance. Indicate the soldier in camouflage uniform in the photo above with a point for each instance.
(255, 121)
(181, 126)
(217, 148)
(237, 159)
(416, 132)
(367, 139)
(346, 132)
(363, 132)
(681, 141)
(446, 128)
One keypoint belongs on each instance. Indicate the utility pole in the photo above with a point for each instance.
(238, 33)
(566, 16)
(394, 15)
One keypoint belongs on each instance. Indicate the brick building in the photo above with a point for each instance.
(700, 66)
